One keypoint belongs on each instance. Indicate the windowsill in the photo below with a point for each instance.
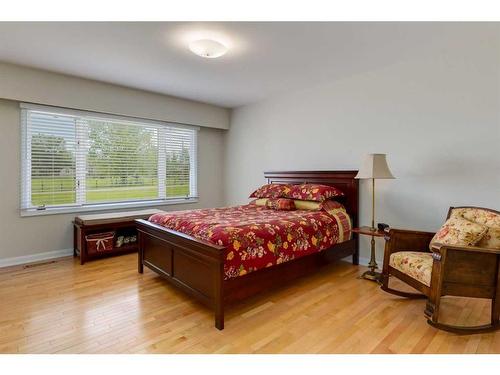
(106, 207)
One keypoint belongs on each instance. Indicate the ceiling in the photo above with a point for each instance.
(264, 59)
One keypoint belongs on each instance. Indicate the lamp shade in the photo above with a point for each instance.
(374, 166)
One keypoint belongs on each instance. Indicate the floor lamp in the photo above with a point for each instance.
(374, 167)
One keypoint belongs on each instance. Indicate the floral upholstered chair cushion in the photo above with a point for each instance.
(460, 232)
(416, 264)
(488, 218)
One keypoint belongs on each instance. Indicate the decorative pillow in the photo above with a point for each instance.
(307, 205)
(491, 239)
(478, 215)
(328, 205)
(259, 201)
(312, 192)
(280, 204)
(491, 219)
(271, 191)
(460, 232)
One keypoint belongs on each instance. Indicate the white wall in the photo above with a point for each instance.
(436, 116)
(34, 235)
(43, 87)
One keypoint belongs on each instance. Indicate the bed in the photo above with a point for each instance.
(192, 251)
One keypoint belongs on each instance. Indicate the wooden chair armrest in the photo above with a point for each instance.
(440, 248)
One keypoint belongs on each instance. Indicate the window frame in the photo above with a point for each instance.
(81, 167)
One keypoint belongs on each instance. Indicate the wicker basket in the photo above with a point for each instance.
(100, 242)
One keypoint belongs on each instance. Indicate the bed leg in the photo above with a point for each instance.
(75, 241)
(219, 318)
(219, 295)
(140, 254)
(140, 267)
(355, 255)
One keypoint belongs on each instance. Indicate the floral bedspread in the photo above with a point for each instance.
(256, 236)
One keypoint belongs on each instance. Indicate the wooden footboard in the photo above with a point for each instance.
(193, 266)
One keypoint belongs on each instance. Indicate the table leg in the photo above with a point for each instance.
(372, 274)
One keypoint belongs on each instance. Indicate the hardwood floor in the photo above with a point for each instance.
(107, 307)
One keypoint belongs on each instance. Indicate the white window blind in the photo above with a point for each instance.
(77, 158)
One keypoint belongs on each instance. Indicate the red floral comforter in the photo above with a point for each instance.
(256, 236)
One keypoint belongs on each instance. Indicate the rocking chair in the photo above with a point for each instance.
(446, 270)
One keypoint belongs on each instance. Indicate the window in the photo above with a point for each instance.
(76, 159)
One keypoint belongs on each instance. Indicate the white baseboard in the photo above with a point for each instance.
(6, 262)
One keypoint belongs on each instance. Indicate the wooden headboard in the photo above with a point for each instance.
(344, 180)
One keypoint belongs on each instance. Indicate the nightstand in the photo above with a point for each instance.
(371, 274)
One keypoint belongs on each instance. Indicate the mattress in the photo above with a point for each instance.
(256, 237)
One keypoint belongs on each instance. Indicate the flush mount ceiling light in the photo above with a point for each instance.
(207, 48)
